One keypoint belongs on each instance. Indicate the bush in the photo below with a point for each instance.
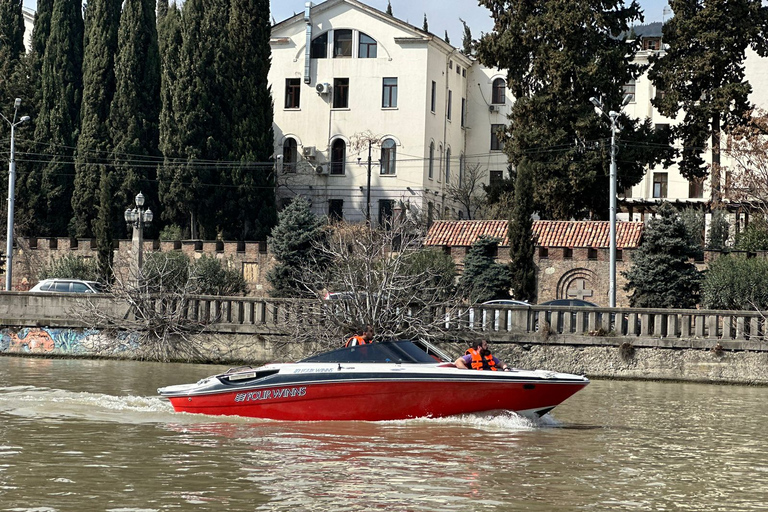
(754, 237)
(736, 282)
(171, 233)
(212, 278)
(71, 267)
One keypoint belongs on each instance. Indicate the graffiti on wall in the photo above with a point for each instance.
(65, 341)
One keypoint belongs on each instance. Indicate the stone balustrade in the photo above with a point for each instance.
(670, 328)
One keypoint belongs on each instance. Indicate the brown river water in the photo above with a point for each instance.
(82, 435)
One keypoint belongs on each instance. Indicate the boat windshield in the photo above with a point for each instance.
(402, 351)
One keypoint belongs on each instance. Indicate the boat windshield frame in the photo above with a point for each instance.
(400, 351)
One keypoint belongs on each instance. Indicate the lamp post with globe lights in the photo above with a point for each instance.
(11, 191)
(137, 218)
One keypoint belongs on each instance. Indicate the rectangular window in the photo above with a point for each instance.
(591, 253)
(629, 90)
(463, 110)
(434, 96)
(292, 92)
(386, 206)
(341, 93)
(495, 142)
(342, 43)
(543, 253)
(567, 253)
(695, 188)
(619, 255)
(450, 101)
(659, 184)
(389, 93)
(495, 178)
(336, 209)
(660, 94)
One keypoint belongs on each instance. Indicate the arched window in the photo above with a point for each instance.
(447, 165)
(498, 97)
(342, 43)
(319, 48)
(366, 49)
(338, 156)
(431, 159)
(388, 156)
(289, 155)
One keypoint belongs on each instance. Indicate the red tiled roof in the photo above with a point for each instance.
(551, 233)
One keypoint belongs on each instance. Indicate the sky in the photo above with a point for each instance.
(442, 15)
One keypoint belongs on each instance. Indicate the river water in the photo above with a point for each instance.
(92, 435)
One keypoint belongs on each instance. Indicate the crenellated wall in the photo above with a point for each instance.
(250, 258)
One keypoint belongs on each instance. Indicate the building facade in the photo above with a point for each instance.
(373, 114)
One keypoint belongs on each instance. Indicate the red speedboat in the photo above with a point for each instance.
(380, 381)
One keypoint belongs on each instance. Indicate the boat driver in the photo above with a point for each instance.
(479, 357)
(365, 337)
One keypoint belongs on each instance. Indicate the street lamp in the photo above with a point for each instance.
(11, 192)
(613, 116)
(137, 218)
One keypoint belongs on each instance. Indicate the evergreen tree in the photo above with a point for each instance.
(559, 55)
(200, 97)
(446, 39)
(662, 274)
(521, 242)
(58, 120)
(169, 42)
(249, 208)
(292, 244)
(135, 110)
(425, 25)
(754, 237)
(702, 73)
(719, 231)
(101, 25)
(483, 278)
(467, 44)
(389, 7)
(103, 228)
(11, 29)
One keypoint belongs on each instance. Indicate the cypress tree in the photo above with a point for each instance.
(200, 94)
(251, 211)
(101, 25)
(467, 44)
(521, 243)
(169, 42)
(662, 273)
(559, 55)
(103, 227)
(135, 110)
(702, 73)
(12, 29)
(58, 118)
(389, 7)
(425, 25)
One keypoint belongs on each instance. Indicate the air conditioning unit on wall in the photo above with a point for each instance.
(321, 170)
(309, 152)
(323, 88)
(493, 108)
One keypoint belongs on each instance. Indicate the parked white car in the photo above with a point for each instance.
(68, 286)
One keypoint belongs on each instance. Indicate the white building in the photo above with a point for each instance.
(350, 81)
(660, 184)
(29, 24)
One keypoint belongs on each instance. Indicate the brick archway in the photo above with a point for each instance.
(578, 283)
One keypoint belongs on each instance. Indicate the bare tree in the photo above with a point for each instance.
(382, 277)
(467, 190)
(749, 150)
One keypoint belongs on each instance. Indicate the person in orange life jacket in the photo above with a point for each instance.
(365, 337)
(479, 357)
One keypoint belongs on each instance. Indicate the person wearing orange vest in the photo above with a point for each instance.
(361, 339)
(479, 357)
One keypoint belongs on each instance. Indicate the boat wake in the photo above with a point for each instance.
(42, 403)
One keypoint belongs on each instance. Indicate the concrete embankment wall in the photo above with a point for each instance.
(596, 358)
(695, 345)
